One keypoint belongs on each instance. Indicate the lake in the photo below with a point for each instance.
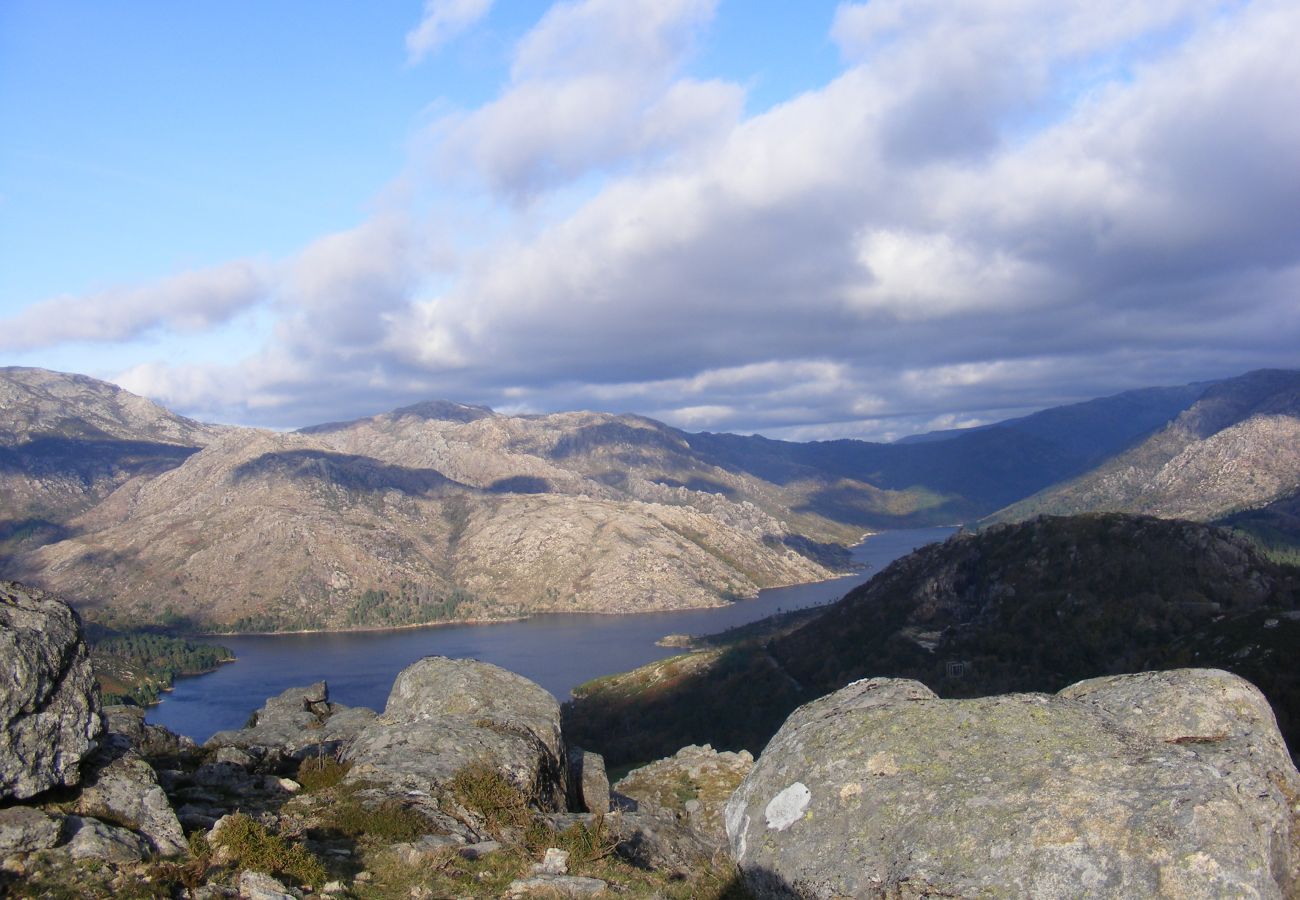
(558, 651)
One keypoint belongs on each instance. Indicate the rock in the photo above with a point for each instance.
(588, 783)
(24, 830)
(556, 885)
(479, 849)
(429, 847)
(122, 786)
(554, 862)
(297, 722)
(233, 756)
(445, 714)
(690, 787)
(92, 839)
(260, 886)
(150, 741)
(1157, 785)
(49, 705)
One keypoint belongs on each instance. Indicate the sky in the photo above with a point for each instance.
(807, 220)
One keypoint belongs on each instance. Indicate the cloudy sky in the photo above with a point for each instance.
(807, 220)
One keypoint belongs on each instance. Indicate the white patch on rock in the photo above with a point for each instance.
(786, 807)
(737, 822)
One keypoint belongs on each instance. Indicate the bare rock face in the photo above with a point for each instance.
(123, 787)
(445, 714)
(1171, 784)
(49, 705)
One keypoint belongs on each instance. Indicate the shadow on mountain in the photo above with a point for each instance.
(835, 557)
(350, 472)
(28, 534)
(91, 459)
(632, 442)
(520, 484)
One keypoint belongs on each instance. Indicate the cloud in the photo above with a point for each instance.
(442, 21)
(191, 301)
(594, 85)
(996, 206)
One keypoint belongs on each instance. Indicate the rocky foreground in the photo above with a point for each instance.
(1173, 784)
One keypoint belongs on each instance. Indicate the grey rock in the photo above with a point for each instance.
(232, 755)
(298, 722)
(588, 782)
(691, 788)
(479, 849)
(223, 777)
(150, 741)
(24, 829)
(554, 862)
(122, 786)
(556, 885)
(49, 705)
(92, 839)
(428, 847)
(661, 841)
(1158, 785)
(260, 886)
(445, 714)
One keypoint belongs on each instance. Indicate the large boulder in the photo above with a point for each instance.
(1172, 784)
(120, 786)
(298, 722)
(444, 715)
(49, 704)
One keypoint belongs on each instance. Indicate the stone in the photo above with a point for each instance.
(296, 723)
(24, 829)
(554, 862)
(150, 741)
(49, 704)
(92, 839)
(691, 787)
(1171, 784)
(446, 714)
(479, 849)
(260, 886)
(556, 885)
(233, 756)
(122, 786)
(588, 783)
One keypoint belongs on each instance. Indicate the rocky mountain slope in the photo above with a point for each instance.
(1030, 606)
(444, 511)
(67, 441)
(1236, 448)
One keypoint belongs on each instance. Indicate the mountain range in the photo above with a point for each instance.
(445, 511)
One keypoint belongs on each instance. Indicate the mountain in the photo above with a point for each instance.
(1032, 606)
(1236, 448)
(442, 510)
(68, 441)
(954, 476)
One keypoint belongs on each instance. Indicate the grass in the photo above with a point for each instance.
(249, 845)
(316, 773)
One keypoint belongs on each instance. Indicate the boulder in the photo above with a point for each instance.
(24, 829)
(588, 782)
(121, 786)
(49, 704)
(446, 714)
(1172, 784)
(150, 741)
(92, 839)
(672, 809)
(296, 723)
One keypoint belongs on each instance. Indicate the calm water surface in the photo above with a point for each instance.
(557, 651)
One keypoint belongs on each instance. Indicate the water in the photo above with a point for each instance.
(557, 651)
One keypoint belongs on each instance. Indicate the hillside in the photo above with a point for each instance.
(1237, 448)
(1031, 606)
(442, 511)
(67, 441)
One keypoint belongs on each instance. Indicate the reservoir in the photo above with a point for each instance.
(558, 651)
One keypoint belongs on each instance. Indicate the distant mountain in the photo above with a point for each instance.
(442, 510)
(67, 441)
(1236, 448)
(1026, 607)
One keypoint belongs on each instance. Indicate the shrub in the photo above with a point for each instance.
(251, 846)
(315, 773)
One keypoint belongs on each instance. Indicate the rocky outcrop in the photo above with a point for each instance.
(1171, 784)
(49, 705)
(444, 714)
(299, 721)
(121, 787)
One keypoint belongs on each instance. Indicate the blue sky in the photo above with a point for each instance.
(808, 220)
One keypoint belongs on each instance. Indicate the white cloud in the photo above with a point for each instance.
(191, 301)
(442, 21)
